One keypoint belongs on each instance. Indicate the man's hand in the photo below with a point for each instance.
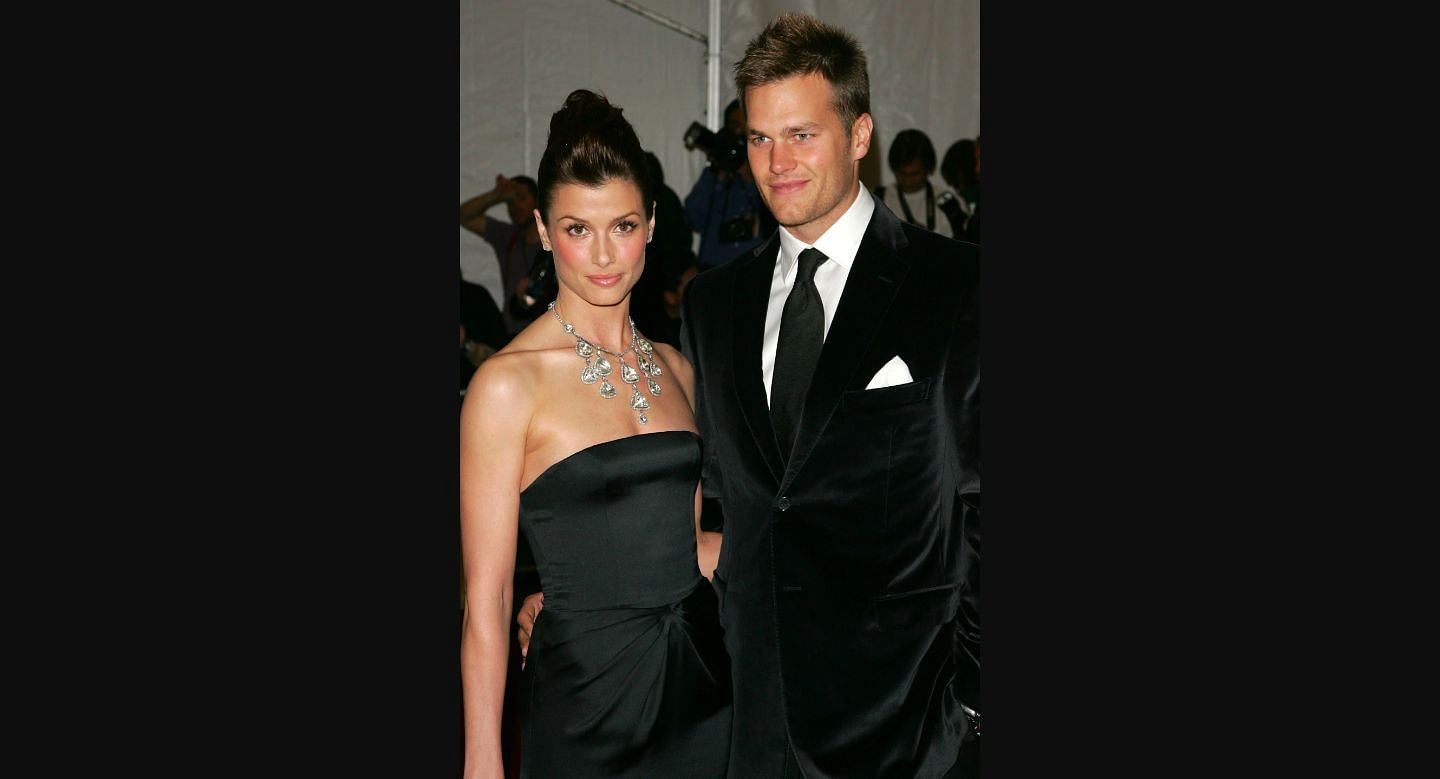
(506, 188)
(529, 610)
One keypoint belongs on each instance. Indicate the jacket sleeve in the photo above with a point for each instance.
(710, 476)
(965, 363)
(967, 622)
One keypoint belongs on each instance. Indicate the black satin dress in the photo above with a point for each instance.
(626, 675)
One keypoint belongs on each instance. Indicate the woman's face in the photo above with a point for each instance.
(598, 236)
(911, 176)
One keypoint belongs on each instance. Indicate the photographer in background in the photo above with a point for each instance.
(516, 244)
(724, 206)
(961, 170)
(913, 196)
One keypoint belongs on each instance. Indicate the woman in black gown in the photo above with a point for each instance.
(581, 432)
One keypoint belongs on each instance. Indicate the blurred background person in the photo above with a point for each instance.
(961, 170)
(673, 275)
(913, 195)
(516, 243)
(724, 206)
(670, 245)
(482, 329)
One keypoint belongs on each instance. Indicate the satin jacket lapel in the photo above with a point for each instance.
(874, 279)
(752, 298)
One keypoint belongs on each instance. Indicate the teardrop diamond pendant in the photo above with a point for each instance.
(599, 368)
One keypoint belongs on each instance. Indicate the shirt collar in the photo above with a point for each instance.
(840, 243)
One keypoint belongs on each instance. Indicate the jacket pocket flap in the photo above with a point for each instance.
(885, 397)
(928, 606)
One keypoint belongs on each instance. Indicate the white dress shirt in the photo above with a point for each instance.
(839, 245)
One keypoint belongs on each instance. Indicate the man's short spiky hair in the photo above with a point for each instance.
(797, 44)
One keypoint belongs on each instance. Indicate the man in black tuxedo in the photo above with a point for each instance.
(838, 394)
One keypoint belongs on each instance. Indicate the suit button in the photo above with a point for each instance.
(783, 504)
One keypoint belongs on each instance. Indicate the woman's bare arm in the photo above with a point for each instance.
(493, 424)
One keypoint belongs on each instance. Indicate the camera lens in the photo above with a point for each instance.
(726, 152)
(698, 136)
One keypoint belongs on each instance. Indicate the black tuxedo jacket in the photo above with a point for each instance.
(849, 572)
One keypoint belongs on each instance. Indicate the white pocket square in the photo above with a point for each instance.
(890, 374)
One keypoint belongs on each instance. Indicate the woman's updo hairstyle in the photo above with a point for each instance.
(589, 144)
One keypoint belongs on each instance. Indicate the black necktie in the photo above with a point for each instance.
(802, 333)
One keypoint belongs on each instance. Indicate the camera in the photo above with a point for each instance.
(726, 152)
(542, 283)
(542, 288)
(741, 228)
(950, 205)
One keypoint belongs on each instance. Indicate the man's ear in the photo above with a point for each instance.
(544, 237)
(860, 136)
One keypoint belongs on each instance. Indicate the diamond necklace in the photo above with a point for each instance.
(597, 368)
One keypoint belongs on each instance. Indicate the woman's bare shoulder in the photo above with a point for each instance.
(670, 354)
(503, 373)
(499, 394)
(522, 361)
(678, 365)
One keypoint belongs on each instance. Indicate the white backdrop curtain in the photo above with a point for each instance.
(518, 61)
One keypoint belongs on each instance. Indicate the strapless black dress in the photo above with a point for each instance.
(626, 675)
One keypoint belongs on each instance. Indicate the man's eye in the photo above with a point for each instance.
(802, 136)
(758, 139)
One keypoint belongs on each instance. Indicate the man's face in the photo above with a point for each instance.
(520, 206)
(806, 167)
(910, 177)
